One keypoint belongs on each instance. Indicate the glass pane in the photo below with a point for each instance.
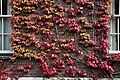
(7, 45)
(6, 7)
(7, 27)
(114, 42)
(116, 6)
(114, 27)
(0, 25)
(0, 42)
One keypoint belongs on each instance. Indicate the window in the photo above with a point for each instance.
(115, 27)
(5, 28)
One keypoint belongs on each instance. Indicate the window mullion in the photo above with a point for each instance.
(111, 36)
(118, 27)
(1, 7)
(118, 31)
(6, 33)
(2, 35)
(114, 33)
(119, 7)
(111, 23)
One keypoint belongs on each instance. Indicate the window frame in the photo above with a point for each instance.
(112, 23)
(2, 16)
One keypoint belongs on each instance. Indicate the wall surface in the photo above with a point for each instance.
(60, 38)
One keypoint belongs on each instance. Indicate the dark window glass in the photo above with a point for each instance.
(116, 6)
(0, 25)
(6, 7)
(0, 42)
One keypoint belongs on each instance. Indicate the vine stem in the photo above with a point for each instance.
(110, 75)
(58, 37)
(81, 46)
(56, 29)
(117, 64)
(75, 38)
(116, 73)
(85, 49)
(77, 60)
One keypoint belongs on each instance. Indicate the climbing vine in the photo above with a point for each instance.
(63, 36)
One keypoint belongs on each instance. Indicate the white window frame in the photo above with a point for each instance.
(112, 23)
(2, 34)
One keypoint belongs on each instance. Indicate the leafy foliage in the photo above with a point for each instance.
(60, 34)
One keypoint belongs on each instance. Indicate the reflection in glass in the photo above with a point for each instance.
(0, 42)
(117, 7)
(114, 27)
(0, 25)
(7, 27)
(8, 7)
(7, 45)
(114, 43)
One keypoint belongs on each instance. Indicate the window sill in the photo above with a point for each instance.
(61, 78)
(114, 52)
(52, 78)
(5, 15)
(10, 52)
(6, 52)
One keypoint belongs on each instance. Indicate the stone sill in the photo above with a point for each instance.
(61, 78)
